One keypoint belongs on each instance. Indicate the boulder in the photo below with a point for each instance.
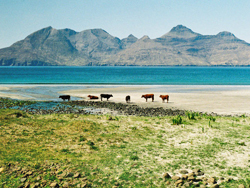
(175, 178)
(166, 176)
(211, 181)
(54, 184)
(178, 183)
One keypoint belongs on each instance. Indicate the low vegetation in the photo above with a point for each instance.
(71, 150)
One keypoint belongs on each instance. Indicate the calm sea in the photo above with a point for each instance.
(126, 75)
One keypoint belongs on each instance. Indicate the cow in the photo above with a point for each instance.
(93, 97)
(64, 97)
(164, 97)
(148, 96)
(107, 96)
(127, 98)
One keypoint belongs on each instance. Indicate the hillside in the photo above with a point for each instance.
(180, 46)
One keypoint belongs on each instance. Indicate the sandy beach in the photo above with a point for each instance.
(224, 100)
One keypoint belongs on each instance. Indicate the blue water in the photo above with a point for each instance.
(126, 75)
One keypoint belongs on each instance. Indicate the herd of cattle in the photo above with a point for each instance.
(127, 98)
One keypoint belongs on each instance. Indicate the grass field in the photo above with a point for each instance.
(70, 150)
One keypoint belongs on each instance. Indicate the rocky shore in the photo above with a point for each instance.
(90, 107)
(95, 107)
(128, 109)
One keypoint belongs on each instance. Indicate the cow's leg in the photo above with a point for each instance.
(146, 99)
(101, 98)
(152, 99)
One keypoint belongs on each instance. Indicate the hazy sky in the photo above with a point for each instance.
(19, 18)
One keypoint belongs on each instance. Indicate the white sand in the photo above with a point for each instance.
(218, 99)
(227, 100)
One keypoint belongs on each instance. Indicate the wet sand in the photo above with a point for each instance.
(226, 100)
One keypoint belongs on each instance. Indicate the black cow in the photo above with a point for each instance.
(64, 97)
(127, 98)
(107, 96)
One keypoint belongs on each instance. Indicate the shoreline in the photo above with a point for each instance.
(219, 99)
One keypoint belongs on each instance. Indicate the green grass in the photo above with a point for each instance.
(121, 151)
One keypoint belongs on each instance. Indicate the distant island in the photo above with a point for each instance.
(95, 47)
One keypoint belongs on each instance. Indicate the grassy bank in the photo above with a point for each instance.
(122, 151)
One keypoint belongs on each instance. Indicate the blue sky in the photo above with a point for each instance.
(19, 18)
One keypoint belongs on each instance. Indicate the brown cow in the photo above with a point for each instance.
(164, 97)
(148, 96)
(93, 97)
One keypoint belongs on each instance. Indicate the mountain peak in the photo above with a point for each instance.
(145, 37)
(181, 28)
(180, 31)
(131, 36)
(129, 41)
(225, 34)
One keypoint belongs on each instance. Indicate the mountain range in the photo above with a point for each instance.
(95, 47)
